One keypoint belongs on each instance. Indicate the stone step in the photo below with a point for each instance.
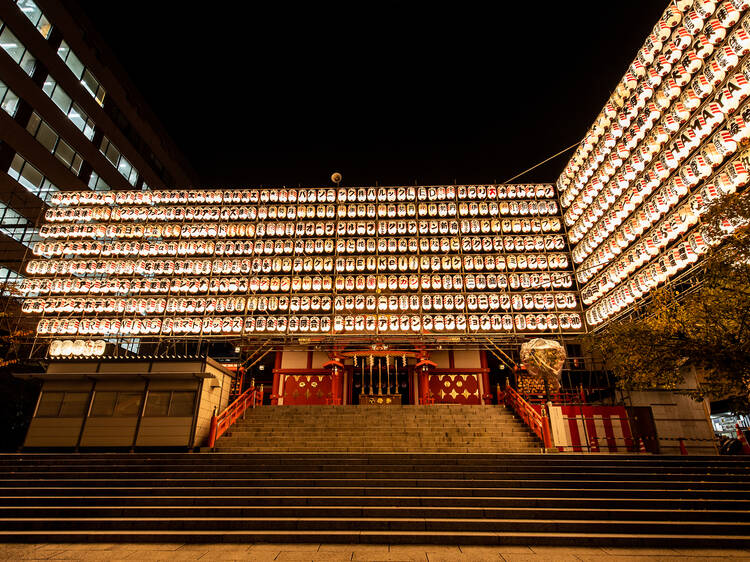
(187, 472)
(405, 429)
(448, 502)
(479, 441)
(541, 538)
(414, 497)
(362, 523)
(392, 512)
(653, 493)
(376, 481)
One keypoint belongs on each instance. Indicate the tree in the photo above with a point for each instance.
(706, 326)
(17, 396)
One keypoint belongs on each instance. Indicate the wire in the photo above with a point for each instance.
(544, 161)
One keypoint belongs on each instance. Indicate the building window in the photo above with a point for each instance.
(116, 404)
(96, 183)
(179, 404)
(52, 142)
(31, 178)
(16, 50)
(16, 226)
(83, 74)
(8, 100)
(122, 164)
(36, 17)
(10, 282)
(74, 112)
(62, 405)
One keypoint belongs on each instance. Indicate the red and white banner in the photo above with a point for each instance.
(590, 428)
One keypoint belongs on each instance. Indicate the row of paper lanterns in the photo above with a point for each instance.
(650, 245)
(293, 212)
(231, 305)
(643, 114)
(685, 253)
(222, 285)
(360, 245)
(235, 266)
(651, 67)
(713, 152)
(683, 179)
(711, 155)
(675, 223)
(77, 348)
(693, 133)
(311, 195)
(294, 283)
(726, 16)
(649, 52)
(299, 229)
(604, 236)
(424, 245)
(281, 324)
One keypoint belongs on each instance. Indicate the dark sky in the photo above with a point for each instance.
(382, 92)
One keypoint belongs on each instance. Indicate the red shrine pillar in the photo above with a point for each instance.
(423, 367)
(487, 391)
(337, 379)
(276, 379)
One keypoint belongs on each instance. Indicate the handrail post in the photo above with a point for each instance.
(546, 435)
(212, 430)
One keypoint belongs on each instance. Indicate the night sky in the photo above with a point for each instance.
(394, 93)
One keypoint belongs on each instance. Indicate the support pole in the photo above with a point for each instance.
(546, 434)
(380, 376)
(387, 375)
(372, 360)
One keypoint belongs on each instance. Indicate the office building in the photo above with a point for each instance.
(70, 120)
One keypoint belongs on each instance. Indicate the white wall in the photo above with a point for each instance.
(677, 415)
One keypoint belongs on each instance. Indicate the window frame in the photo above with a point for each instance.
(38, 20)
(108, 148)
(62, 403)
(45, 188)
(76, 161)
(82, 73)
(70, 108)
(170, 403)
(5, 93)
(117, 396)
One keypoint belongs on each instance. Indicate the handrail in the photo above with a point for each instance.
(567, 396)
(220, 424)
(538, 423)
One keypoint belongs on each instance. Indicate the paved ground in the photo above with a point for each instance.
(339, 552)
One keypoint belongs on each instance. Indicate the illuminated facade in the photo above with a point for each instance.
(367, 264)
(385, 293)
(669, 142)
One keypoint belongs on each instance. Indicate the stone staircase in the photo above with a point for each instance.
(575, 500)
(379, 429)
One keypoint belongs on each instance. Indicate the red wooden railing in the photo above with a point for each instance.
(252, 397)
(538, 423)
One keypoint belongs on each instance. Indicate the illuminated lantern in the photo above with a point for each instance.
(729, 14)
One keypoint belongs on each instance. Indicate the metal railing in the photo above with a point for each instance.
(569, 396)
(537, 422)
(220, 423)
